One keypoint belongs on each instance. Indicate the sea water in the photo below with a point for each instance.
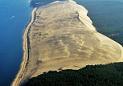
(107, 17)
(14, 16)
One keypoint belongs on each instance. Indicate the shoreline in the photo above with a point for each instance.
(19, 75)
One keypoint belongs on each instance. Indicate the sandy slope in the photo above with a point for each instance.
(61, 36)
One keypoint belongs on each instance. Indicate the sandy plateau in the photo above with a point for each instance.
(62, 36)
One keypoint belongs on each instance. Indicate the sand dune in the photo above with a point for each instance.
(62, 36)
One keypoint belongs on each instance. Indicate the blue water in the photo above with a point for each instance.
(14, 16)
(107, 16)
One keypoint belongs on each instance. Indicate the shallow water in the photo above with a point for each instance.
(107, 16)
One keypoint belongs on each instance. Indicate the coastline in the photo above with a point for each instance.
(20, 73)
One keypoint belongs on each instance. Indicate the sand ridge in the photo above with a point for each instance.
(20, 74)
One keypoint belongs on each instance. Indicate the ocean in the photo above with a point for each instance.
(14, 16)
(107, 17)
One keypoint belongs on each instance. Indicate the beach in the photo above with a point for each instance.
(22, 70)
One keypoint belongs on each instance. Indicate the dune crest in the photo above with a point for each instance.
(62, 36)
